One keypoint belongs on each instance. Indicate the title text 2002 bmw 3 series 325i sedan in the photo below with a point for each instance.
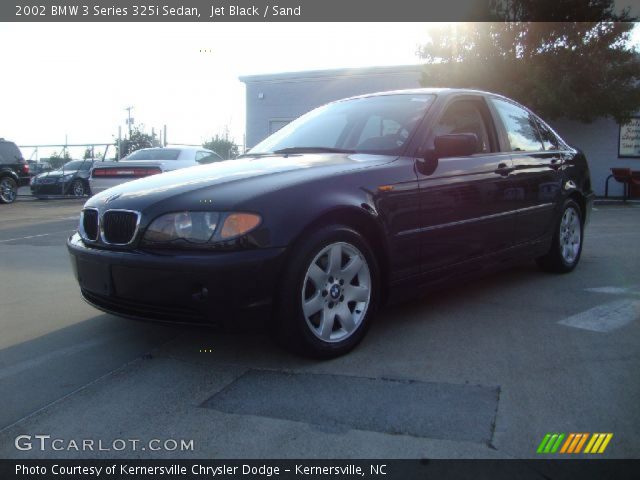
(353, 204)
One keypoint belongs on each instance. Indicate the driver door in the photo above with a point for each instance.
(465, 201)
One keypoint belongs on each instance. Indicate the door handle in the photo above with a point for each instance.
(504, 170)
(555, 163)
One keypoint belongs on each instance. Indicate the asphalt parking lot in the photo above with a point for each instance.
(483, 370)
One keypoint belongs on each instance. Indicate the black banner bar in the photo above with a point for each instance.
(269, 11)
(320, 469)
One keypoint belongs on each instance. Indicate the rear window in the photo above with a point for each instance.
(155, 154)
(78, 165)
(9, 153)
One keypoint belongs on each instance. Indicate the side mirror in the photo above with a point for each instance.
(456, 145)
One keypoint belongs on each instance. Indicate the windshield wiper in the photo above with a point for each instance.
(313, 150)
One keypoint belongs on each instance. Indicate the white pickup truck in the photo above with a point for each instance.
(145, 162)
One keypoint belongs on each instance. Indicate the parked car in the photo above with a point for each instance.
(148, 161)
(357, 203)
(14, 171)
(70, 179)
(36, 168)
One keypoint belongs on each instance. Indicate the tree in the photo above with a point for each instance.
(222, 145)
(576, 70)
(90, 154)
(137, 139)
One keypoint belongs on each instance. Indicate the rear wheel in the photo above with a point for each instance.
(329, 295)
(566, 246)
(8, 190)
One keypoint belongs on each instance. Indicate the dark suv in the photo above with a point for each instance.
(14, 171)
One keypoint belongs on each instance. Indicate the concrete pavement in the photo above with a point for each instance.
(68, 371)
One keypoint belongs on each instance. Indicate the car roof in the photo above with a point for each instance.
(177, 147)
(423, 91)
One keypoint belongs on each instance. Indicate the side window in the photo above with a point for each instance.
(206, 157)
(549, 140)
(521, 129)
(464, 116)
(9, 153)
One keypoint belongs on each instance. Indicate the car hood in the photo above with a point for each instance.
(248, 175)
(56, 173)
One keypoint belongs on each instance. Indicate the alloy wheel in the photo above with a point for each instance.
(8, 190)
(336, 292)
(78, 188)
(570, 235)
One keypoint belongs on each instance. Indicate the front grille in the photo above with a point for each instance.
(119, 226)
(90, 224)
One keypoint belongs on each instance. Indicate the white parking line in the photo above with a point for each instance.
(612, 290)
(34, 236)
(34, 362)
(605, 318)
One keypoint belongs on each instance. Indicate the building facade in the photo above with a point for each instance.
(274, 100)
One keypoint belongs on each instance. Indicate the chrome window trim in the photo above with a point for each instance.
(135, 232)
(81, 229)
(475, 219)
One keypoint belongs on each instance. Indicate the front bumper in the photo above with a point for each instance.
(57, 188)
(210, 288)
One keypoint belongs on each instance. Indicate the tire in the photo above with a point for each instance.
(8, 190)
(568, 237)
(324, 311)
(78, 188)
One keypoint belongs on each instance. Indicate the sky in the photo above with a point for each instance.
(73, 81)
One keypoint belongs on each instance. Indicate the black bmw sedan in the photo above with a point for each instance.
(70, 179)
(352, 205)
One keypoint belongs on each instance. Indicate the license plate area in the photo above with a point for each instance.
(95, 277)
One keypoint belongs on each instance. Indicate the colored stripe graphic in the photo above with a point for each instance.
(552, 441)
(568, 442)
(598, 442)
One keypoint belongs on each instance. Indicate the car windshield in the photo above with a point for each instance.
(155, 154)
(378, 124)
(77, 165)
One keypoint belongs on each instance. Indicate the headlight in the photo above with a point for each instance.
(198, 228)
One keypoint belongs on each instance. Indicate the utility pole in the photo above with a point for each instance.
(129, 119)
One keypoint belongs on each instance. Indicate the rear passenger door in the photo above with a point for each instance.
(537, 161)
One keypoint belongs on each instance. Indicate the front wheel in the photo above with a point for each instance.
(77, 188)
(566, 247)
(329, 294)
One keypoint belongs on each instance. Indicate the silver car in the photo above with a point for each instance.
(145, 162)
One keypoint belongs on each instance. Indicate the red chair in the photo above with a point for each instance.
(622, 175)
(634, 184)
